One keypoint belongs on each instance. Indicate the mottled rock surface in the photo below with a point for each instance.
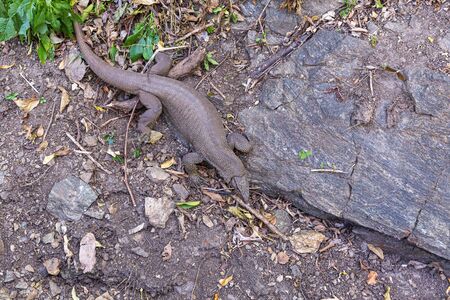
(381, 162)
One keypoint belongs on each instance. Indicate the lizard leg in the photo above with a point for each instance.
(190, 162)
(149, 117)
(162, 66)
(239, 142)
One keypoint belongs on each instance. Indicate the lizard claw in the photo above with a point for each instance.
(241, 184)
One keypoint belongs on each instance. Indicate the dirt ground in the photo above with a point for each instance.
(206, 241)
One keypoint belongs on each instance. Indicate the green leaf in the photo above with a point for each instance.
(3, 12)
(148, 48)
(138, 32)
(109, 138)
(211, 60)
(119, 159)
(85, 13)
(7, 29)
(188, 204)
(206, 64)
(137, 153)
(42, 54)
(210, 29)
(112, 52)
(304, 154)
(378, 4)
(12, 96)
(137, 50)
(234, 18)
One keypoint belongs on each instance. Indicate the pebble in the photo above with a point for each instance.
(156, 174)
(9, 276)
(21, 285)
(90, 140)
(283, 221)
(181, 191)
(141, 252)
(158, 210)
(48, 238)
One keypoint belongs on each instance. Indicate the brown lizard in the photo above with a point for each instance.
(191, 113)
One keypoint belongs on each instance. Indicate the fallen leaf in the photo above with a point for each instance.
(240, 213)
(74, 67)
(26, 105)
(4, 67)
(99, 108)
(74, 294)
(154, 136)
(207, 221)
(282, 258)
(387, 294)
(168, 163)
(188, 204)
(87, 126)
(87, 252)
(372, 278)
(167, 252)
(42, 146)
(378, 251)
(145, 2)
(61, 152)
(306, 241)
(216, 296)
(52, 266)
(65, 99)
(67, 251)
(225, 281)
(213, 196)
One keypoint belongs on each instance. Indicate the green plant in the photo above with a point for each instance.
(262, 40)
(209, 60)
(137, 153)
(378, 4)
(143, 40)
(37, 19)
(12, 96)
(349, 5)
(109, 138)
(304, 154)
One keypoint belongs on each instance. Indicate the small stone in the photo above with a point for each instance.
(181, 191)
(4, 294)
(141, 252)
(70, 198)
(21, 285)
(52, 266)
(90, 140)
(48, 238)
(283, 221)
(136, 229)
(280, 278)
(29, 268)
(86, 176)
(156, 174)
(54, 288)
(158, 210)
(95, 212)
(9, 276)
(105, 296)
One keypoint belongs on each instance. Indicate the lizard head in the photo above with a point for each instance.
(240, 183)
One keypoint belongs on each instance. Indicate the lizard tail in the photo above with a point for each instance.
(114, 76)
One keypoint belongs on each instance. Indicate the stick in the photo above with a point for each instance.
(328, 171)
(125, 153)
(51, 121)
(260, 217)
(218, 91)
(30, 84)
(193, 32)
(39, 178)
(88, 155)
(113, 119)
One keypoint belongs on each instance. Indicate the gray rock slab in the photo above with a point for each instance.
(391, 177)
(70, 198)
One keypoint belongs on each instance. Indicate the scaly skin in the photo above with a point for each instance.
(192, 114)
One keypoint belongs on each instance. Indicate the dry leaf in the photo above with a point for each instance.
(213, 196)
(378, 251)
(207, 221)
(42, 146)
(61, 152)
(74, 294)
(387, 294)
(145, 2)
(282, 258)
(240, 213)
(168, 163)
(154, 136)
(306, 241)
(225, 281)
(26, 105)
(87, 126)
(372, 278)
(167, 252)
(65, 99)
(67, 251)
(99, 108)
(87, 252)
(52, 266)
(4, 67)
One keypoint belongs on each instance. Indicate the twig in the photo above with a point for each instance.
(193, 32)
(88, 155)
(260, 217)
(196, 280)
(213, 70)
(39, 178)
(51, 121)
(328, 171)
(29, 83)
(113, 119)
(258, 21)
(217, 90)
(125, 153)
